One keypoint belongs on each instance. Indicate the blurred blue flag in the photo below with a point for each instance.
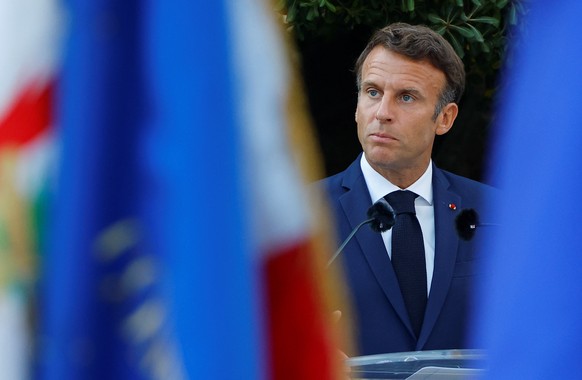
(147, 274)
(529, 317)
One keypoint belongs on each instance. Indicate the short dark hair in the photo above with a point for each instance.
(420, 43)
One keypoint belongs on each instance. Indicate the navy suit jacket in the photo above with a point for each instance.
(381, 321)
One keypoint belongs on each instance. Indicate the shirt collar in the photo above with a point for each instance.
(379, 186)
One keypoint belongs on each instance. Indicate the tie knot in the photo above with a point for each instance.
(402, 201)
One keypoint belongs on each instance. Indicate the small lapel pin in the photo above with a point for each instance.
(452, 206)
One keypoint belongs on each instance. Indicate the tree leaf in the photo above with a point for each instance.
(456, 44)
(435, 19)
(486, 20)
(502, 3)
(463, 31)
(512, 15)
(291, 13)
(331, 7)
(410, 5)
(476, 32)
(441, 30)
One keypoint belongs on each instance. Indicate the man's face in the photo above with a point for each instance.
(395, 111)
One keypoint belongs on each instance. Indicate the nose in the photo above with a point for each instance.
(384, 111)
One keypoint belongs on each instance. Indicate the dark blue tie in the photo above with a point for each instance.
(408, 256)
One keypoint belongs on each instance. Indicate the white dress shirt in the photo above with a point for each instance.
(379, 186)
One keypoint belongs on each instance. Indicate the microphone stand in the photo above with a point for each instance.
(345, 242)
(382, 217)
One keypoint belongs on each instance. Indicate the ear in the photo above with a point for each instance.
(446, 118)
(356, 115)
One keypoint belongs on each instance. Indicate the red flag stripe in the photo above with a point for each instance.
(299, 346)
(29, 115)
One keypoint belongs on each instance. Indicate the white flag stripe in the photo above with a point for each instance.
(274, 185)
(29, 35)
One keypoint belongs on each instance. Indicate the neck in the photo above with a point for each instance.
(401, 177)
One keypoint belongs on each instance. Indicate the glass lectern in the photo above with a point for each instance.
(420, 365)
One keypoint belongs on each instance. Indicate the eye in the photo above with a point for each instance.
(406, 98)
(373, 93)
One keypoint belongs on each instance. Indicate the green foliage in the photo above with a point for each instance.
(477, 29)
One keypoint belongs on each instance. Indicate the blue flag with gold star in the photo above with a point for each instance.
(147, 187)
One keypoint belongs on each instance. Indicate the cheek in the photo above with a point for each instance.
(427, 135)
(423, 133)
(360, 127)
(360, 119)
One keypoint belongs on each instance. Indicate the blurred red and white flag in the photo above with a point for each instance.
(29, 33)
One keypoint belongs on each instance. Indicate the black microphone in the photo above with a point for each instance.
(381, 218)
(467, 222)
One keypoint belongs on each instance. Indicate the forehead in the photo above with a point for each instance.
(385, 65)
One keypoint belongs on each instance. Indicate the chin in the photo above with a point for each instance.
(377, 157)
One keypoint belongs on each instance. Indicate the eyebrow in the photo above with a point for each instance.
(368, 83)
(411, 90)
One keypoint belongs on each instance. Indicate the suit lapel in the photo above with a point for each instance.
(446, 246)
(355, 203)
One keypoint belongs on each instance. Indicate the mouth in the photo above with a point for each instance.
(382, 137)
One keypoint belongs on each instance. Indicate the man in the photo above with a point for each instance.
(409, 84)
